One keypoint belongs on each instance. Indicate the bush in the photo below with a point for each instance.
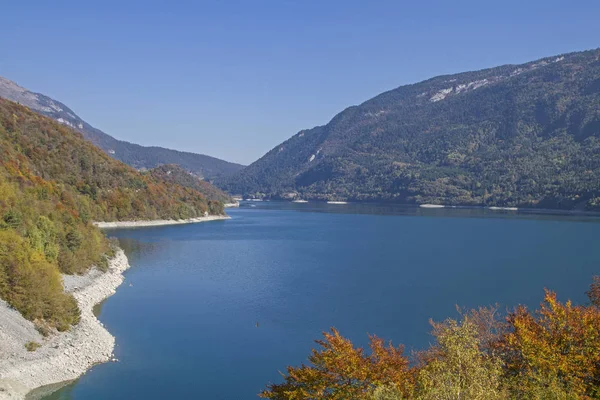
(12, 219)
(32, 346)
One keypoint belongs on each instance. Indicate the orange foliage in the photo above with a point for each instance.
(560, 342)
(553, 352)
(341, 371)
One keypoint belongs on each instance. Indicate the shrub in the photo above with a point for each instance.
(12, 218)
(32, 346)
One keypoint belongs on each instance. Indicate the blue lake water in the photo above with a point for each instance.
(187, 327)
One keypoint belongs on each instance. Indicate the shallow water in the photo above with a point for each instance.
(187, 327)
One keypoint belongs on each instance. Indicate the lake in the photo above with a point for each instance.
(215, 310)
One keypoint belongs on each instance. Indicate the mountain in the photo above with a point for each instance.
(516, 135)
(174, 174)
(53, 184)
(139, 157)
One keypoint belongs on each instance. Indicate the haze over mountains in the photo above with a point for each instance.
(140, 157)
(516, 135)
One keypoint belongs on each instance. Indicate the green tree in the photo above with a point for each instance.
(457, 368)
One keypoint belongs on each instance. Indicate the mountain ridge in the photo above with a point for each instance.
(138, 156)
(53, 184)
(452, 139)
(174, 174)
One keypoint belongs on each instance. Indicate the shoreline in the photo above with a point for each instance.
(65, 356)
(158, 222)
(62, 356)
(520, 210)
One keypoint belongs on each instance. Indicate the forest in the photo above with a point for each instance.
(139, 157)
(552, 353)
(516, 135)
(53, 185)
(175, 174)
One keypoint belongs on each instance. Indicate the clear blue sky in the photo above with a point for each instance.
(233, 79)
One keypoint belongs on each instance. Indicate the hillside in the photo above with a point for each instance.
(525, 135)
(174, 174)
(139, 157)
(53, 183)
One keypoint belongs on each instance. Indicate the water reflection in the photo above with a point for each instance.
(411, 210)
(56, 391)
(189, 321)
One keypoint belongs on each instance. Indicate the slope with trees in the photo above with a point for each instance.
(139, 157)
(53, 184)
(174, 174)
(525, 135)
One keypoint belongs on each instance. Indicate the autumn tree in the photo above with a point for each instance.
(550, 354)
(340, 371)
(456, 367)
(386, 392)
(594, 292)
(556, 349)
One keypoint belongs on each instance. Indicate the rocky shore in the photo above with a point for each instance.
(62, 356)
(159, 222)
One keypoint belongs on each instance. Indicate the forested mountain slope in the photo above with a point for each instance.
(140, 157)
(174, 174)
(525, 135)
(53, 184)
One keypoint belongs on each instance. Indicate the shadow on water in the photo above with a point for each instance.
(97, 309)
(56, 391)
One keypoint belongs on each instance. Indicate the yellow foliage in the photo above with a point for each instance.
(551, 354)
(558, 346)
(33, 285)
(459, 369)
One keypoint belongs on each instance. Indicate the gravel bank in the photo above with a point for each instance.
(159, 222)
(64, 356)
